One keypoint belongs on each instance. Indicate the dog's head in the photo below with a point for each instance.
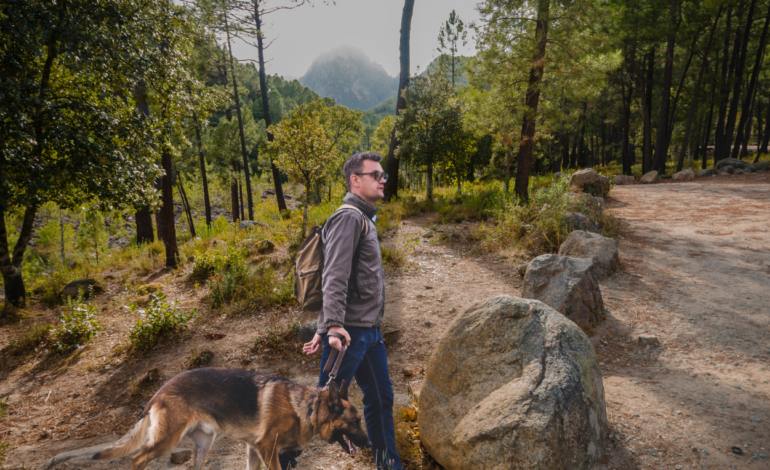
(343, 423)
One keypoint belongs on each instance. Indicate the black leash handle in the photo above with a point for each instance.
(332, 371)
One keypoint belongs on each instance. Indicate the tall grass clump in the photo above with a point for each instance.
(77, 326)
(159, 321)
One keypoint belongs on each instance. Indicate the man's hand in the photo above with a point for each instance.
(334, 341)
(315, 345)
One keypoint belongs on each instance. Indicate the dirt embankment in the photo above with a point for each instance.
(697, 271)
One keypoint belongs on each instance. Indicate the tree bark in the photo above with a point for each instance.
(266, 106)
(747, 136)
(11, 263)
(234, 201)
(237, 98)
(185, 204)
(661, 146)
(724, 88)
(647, 112)
(750, 91)
(392, 164)
(766, 136)
(143, 217)
(709, 122)
(696, 94)
(737, 82)
(625, 154)
(169, 235)
(533, 97)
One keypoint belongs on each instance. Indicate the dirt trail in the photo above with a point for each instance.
(697, 271)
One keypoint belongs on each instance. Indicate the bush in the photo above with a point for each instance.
(279, 338)
(78, 326)
(158, 322)
(393, 257)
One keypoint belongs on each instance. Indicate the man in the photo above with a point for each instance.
(354, 307)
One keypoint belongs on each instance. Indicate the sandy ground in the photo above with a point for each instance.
(697, 272)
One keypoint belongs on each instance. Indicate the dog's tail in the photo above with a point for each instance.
(134, 439)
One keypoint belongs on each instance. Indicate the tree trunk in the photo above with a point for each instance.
(696, 94)
(234, 200)
(429, 168)
(244, 154)
(202, 161)
(647, 111)
(766, 136)
(533, 97)
(709, 122)
(661, 146)
(749, 100)
(143, 217)
(564, 143)
(742, 44)
(169, 239)
(240, 195)
(392, 164)
(580, 162)
(159, 223)
(185, 204)
(625, 154)
(759, 126)
(11, 263)
(266, 106)
(747, 136)
(724, 88)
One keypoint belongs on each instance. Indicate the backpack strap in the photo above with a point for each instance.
(357, 253)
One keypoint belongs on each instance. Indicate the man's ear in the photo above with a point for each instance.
(344, 391)
(334, 397)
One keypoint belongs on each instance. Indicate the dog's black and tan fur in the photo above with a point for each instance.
(269, 413)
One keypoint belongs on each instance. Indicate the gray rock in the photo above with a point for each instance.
(577, 221)
(684, 175)
(558, 174)
(513, 384)
(428, 234)
(391, 336)
(523, 269)
(650, 178)
(705, 172)
(623, 180)
(181, 456)
(762, 166)
(307, 331)
(726, 170)
(739, 171)
(648, 340)
(248, 224)
(602, 250)
(90, 287)
(568, 285)
(735, 163)
(589, 181)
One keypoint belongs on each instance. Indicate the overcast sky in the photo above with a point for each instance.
(373, 26)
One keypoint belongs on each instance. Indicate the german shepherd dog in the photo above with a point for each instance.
(269, 413)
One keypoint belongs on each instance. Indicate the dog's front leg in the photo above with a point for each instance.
(268, 451)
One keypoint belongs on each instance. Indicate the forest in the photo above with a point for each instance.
(133, 141)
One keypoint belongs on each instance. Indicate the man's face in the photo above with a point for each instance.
(365, 186)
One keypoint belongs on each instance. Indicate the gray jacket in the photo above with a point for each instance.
(341, 236)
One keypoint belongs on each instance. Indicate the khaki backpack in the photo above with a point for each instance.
(309, 266)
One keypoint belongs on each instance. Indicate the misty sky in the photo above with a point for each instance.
(373, 26)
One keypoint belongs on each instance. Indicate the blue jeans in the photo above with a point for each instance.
(365, 359)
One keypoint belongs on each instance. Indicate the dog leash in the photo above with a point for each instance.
(332, 371)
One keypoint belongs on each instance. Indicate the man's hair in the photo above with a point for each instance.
(356, 162)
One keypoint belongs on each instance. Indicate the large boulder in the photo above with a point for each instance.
(249, 224)
(684, 175)
(705, 172)
(735, 163)
(601, 250)
(513, 384)
(589, 181)
(623, 180)
(650, 178)
(90, 287)
(726, 170)
(568, 285)
(577, 221)
(762, 166)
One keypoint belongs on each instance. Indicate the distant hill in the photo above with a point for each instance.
(373, 116)
(348, 76)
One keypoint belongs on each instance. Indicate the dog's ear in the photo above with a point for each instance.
(334, 396)
(344, 391)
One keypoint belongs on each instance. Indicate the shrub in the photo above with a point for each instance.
(159, 321)
(393, 257)
(279, 338)
(78, 326)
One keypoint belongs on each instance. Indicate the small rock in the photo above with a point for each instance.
(650, 178)
(248, 224)
(428, 287)
(755, 419)
(762, 166)
(89, 287)
(648, 340)
(391, 337)
(577, 221)
(685, 175)
(739, 171)
(523, 269)
(726, 170)
(307, 331)
(181, 456)
(623, 180)
(558, 174)
(589, 181)
(705, 172)
(452, 310)
(428, 234)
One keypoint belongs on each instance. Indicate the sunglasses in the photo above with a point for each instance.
(377, 175)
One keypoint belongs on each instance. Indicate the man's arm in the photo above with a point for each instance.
(342, 236)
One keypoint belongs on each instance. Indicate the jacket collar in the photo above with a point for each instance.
(365, 207)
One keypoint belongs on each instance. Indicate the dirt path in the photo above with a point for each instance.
(697, 275)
